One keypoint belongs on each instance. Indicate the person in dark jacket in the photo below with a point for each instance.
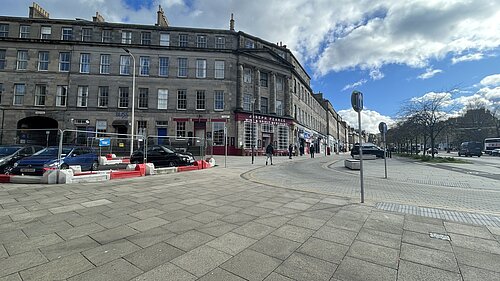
(269, 153)
(290, 151)
(311, 150)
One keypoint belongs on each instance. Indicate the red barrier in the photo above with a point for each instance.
(186, 168)
(4, 178)
(141, 168)
(124, 174)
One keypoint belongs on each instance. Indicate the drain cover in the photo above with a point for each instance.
(439, 236)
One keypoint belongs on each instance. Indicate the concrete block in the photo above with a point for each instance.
(50, 177)
(66, 176)
(91, 178)
(25, 179)
(366, 157)
(77, 169)
(102, 160)
(170, 170)
(150, 169)
(130, 167)
(352, 164)
(211, 161)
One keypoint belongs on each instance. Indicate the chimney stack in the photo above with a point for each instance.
(37, 12)
(231, 23)
(98, 18)
(161, 19)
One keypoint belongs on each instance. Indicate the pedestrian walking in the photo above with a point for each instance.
(311, 150)
(290, 151)
(269, 153)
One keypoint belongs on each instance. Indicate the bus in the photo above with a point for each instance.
(490, 144)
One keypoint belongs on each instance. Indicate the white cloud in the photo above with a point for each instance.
(429, 73)
(369, 119)
(376, 74)
(491, 80)
(354, 85)
(468, 57)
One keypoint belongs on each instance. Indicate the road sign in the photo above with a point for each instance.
(104, 142)
(382, 127)
(357, 101)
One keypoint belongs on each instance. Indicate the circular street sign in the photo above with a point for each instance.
(357, 101)
(382, 127)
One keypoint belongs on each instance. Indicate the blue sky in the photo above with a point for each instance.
(391, 50)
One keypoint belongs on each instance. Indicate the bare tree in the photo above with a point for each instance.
(429, 113)
(495, 112)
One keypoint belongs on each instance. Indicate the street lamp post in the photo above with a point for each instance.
(133, 102)
(253, 129)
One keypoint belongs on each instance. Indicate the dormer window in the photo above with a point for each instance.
(249, 44)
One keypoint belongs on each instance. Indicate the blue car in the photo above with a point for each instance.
(46, 159)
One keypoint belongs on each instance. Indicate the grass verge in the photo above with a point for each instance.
(436, 159)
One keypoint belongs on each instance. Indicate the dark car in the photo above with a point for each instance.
(368, 148)
(47, 158)
(10, 154)
(432, 150)
(162, 155)
(471, 148)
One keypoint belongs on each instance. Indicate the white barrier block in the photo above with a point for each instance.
(77, 169)
(366, 157)
(211, 161)
(66, 176)
(50, 177)
(150, 169)
(26, 179)
(103, 160)
(169, 170)
(352, 164)
(91, 178)
(130, 167)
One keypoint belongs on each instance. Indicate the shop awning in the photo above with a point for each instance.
(120, 123)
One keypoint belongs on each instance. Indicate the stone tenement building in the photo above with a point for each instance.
(190, 82)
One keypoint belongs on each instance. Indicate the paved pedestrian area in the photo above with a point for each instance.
(216, 225)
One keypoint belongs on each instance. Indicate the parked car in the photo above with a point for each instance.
(471, 148)
(162, 155)
(495, 152)
(46, 159)
(10, 154)
(368, 148)
(429, 151)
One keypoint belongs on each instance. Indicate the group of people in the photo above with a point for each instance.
(270, 152)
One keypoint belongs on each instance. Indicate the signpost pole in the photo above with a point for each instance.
(357, 105)
(385, 156)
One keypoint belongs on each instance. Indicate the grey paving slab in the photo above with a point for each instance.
(390, 226)
(159, 273)
(77, 221)
(275, 246)
(219, 274)
(238, 218)
(69, 247)
(474, 243)
(117, 221)
(302, 267)
(29, 215)
(335, 235)
(59, 217)
(231, 243)
(424, 227)
(254, 230)
(58, 269)
(277, 277)
(217, 228)
(325, 250)
(110, 251)
(189, 240)
(32, 243)
(148, 223)
(116, 270)
(20, 262)
(95, 203)
(80, 231)
(201, 260)
(206, 217)
(183, 225)
(345, 223)
(477, 259)
(144, 214)
(12, 277)
(472, 274)
(151, 237)
(469, 230)
(176, 215)
(294, 233)
(12, 236)
(307, 222)
(153, 256)
(385, 256)
(431, 257)
(379, 238)
(356, 269)
(113, 234)
(251, 265)
(3, 252)
(39, 228)
(423, 239)
(274, 221)
(409, 271)
(67, 208)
